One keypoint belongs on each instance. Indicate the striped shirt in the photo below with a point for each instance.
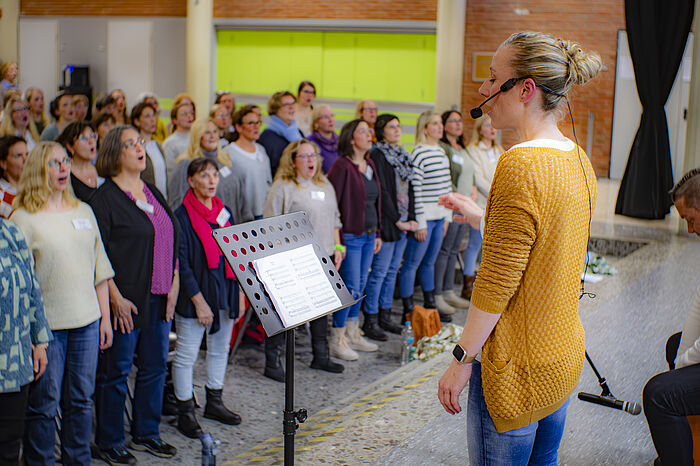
(431, 179)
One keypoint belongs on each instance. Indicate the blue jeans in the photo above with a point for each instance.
(359, 250)
(472, 251)
(534, 444)
(148, 349)
(382, 278)
(423, 255)
(447, 257)
(69, 380)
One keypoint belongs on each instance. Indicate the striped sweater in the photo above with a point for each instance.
(431, 179)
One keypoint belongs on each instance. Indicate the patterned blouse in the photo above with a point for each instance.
(22, 319)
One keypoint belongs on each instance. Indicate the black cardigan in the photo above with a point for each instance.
(128, 237)
(274, 145)
(390, 213)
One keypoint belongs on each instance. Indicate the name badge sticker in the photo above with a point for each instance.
(82, 224)
(369, 172)
(145, 206)
(318, 195)
(223, 217)
(224, 171)
(458, 159)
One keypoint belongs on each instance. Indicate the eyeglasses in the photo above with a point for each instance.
(130, 144)
(369, 109)
(394, 126)
(84, 138)
(66, 162)
(20, 109)
(307, 91)
(327, 117)
(252, 123)
(287, 104)
(305, 156)
(364, 131)
(454, 120)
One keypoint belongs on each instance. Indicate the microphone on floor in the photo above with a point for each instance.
(611, 402)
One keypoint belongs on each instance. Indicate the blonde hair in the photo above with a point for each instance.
(361, 107)
(286, 170)
(422, 123)
(316, 115)
(34, 191)
(28, 97)
(5, 67)
(477, 136)
(7, 127)
(194, 150)
(555, 63)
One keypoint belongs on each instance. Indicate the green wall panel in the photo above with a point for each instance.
(381, 66)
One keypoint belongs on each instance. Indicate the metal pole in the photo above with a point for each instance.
(290, 424)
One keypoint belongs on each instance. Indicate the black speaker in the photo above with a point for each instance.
(76, 77)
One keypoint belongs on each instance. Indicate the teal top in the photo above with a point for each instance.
(22, 319)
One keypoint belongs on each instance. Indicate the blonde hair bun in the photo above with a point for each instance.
(583, 66)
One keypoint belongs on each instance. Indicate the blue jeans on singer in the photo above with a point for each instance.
(471, 253)
(535, 444)
(359, 251)
(148, 349)
(382, 278)
(69, 380)
(423, 255)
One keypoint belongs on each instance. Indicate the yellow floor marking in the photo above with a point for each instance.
(336, 430)
(257, 459)
(332, 418)
(320, 439)
(377, 406)
(413, 385)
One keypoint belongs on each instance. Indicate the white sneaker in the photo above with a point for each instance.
(442, 305)
(338, 345)
(355, 338)
(452, 299)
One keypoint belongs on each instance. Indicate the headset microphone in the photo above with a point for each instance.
(476, 112)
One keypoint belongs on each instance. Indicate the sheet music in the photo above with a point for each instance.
(297, 285)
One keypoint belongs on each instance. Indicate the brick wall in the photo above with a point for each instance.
(103, 8)
(423, 10)
(594, 26)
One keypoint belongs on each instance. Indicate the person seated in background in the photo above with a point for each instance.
(82, 105)
(18, 123)
(281, 127)
(161, 133)
(35, 99)
(305, 106)
(324, 135)
(671, 396)
(367, 110)
(182, 116)
(63, 110)
(103, 123)
(13, 155)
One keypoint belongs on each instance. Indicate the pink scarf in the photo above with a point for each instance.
(201, 219)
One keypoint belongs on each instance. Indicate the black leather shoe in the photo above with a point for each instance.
(371, 328)
(429, 300)
(186, 421)
(445, 318)
(155, 446)
(216, 410)
(385, 322)
(115, 456)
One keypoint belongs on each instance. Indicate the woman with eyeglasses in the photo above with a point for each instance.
(13, 155)
(324, 136)
(141, 236)
(367, 111)
(103, 123)
(72, 269)
(249, 159)
(300, 185)
(204, 142)
(120, 104)
(17, 122)
(144, 118)
(306, 93)
(223, 121)
(80, 141)
(281, 127)
(357, 188)
(35, 99)
(225, 98)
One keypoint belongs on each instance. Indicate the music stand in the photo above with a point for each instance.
(244, 243)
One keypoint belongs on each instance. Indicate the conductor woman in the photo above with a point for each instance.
(523, 317)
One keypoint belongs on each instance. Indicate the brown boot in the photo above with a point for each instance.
(468, 286)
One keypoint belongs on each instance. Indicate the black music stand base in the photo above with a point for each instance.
(290, 417)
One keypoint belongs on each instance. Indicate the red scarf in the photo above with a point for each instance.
(201, 219)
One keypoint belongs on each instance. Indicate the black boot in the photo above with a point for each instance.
(186, 421)
(216, 410)
(319, 346)
(385, 322)
(273, 351)
(407, 308)
(372, 329)
(429, 300)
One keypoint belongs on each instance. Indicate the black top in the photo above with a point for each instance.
(372, 190)
(129, 237)
(274, 145)
(81, 190)
(220, 293)
(390, 213)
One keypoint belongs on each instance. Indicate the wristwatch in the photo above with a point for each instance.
(461, 356)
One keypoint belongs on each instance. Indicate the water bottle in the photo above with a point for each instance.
(208, 450)
(407, 348)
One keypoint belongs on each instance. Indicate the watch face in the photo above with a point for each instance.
(458, 353)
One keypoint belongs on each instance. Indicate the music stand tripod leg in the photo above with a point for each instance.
(290, 418)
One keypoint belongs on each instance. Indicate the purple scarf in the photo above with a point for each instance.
(329, 149)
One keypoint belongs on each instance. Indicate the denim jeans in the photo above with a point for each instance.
(69, 380)
(423, 255)
(382, 277)
(189, 338)
(359, 251)
(472, 251)
(148, 349)
(447, 257)
(534, 444)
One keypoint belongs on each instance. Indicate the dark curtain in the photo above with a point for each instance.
(657, 31)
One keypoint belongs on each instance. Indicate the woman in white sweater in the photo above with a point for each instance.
(72, 269)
